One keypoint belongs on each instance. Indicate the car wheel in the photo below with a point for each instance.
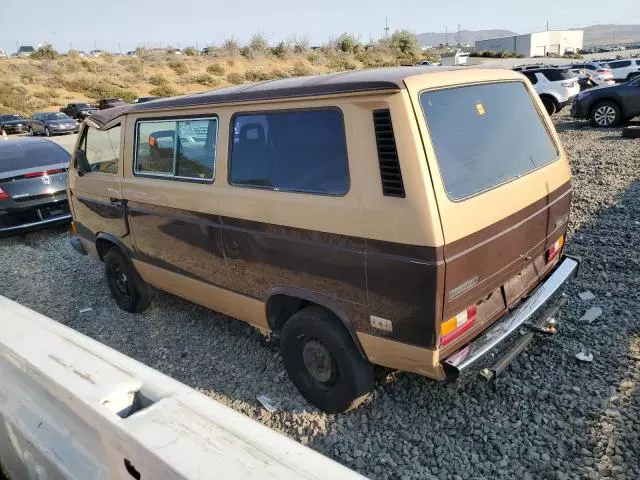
(323, 361)
(631, 132)
(131, 293)
(549, 105)
(47, 132)
(606, 114)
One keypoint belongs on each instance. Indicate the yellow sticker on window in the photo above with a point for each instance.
(480, 109)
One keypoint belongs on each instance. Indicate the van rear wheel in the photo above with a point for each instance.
(131, 293)
(323, 361)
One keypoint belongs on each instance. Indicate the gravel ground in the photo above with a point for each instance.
(551, 416)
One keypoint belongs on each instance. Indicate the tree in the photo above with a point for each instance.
(45, 52)
(405, 42)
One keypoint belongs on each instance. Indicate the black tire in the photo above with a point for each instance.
(323, 361)
(631, 132)
(605, 114)
(550, 105)
(47, 132)
(131, 293)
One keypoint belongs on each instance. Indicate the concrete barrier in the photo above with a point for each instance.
(71, 407)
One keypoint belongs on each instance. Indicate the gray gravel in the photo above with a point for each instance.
(550, 417)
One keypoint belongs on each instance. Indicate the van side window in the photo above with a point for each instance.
(184, 148)
(102, 148)
(298, 151)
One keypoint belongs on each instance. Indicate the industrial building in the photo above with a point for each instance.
(537, 44)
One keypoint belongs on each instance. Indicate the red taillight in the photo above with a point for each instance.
(3, 195)
(555, 249)
(42, 174)
(456, 326)
(604, 70)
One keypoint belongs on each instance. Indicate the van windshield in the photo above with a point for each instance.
(485, 135)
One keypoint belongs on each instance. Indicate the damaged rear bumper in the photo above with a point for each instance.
(462, 360)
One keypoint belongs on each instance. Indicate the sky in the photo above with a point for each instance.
(121, 25)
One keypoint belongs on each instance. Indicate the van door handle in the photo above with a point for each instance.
(117, 201)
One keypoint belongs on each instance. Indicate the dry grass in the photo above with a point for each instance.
(28, 85)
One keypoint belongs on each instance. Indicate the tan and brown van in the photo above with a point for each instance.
(412, 218)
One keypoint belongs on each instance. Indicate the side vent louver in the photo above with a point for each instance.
(390, 173)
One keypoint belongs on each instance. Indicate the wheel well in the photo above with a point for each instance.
(103, 246)
(280, 308)
(606, 100)
(550, 97)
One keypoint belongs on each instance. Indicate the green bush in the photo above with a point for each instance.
(235, 78)
(158, 80)
(45, 52)
(405, 42)
(206, 79)
(178, 66)
(215, 69)
(191, 52)
(259, 44)
(347, 43)
(163, 91)
(280, 50)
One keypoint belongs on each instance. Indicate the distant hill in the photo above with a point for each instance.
(593, 35)
(433, 39)
(609, 34)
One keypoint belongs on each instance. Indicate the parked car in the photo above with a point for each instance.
(599, 73)
(144, 99)
(609, 106)
(33, 184)
(556, 86)
(13, 124)
(624, 70)
(79, 111)
(110, 103)
(52, 123)
(471, 180)
(3, 54)
(25, 51)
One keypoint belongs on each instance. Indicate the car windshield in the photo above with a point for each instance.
(635, 82)
(83, 106)
(56, 116)
(485, 135)
(22, 155)
(10, 117)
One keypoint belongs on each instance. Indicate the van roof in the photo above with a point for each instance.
(374, 79)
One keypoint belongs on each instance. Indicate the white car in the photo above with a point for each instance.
(556, 86)
(600, 73)
(624, 70)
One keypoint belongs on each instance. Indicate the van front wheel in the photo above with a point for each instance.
(129, 291)
(323, 361)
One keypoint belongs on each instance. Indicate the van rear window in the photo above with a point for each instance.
(485, 135)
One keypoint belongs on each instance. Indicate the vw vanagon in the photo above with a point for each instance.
(412, 218)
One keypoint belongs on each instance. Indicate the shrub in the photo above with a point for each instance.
(73, 54)
(91, 66)
(347, 43)
(235, 78)
(300, 69)
(259, 44)
(178, 66)
(191, 52)
(339, 63)
(256, 76)
(46, 51)
(405, 42)
(280, 50)
(301, 45)
(315, 58)
(206, 79)
(246, 52)
(158, 80)
(163, 91)
(231, 47)
(215, 69)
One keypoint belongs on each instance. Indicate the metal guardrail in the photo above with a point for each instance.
(71, 407)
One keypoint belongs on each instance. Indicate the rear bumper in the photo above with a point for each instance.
(15, 128)
(34, 216)
(25, 227)
(462, 360)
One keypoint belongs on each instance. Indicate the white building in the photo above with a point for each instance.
(536, 44)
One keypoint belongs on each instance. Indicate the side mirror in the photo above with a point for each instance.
(82, 164)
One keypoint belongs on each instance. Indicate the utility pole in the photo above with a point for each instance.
(446, 36)
(458, 34)
(547, 25)
(386, 28)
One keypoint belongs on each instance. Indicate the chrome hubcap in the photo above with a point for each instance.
(317, 360)
(605, 115)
